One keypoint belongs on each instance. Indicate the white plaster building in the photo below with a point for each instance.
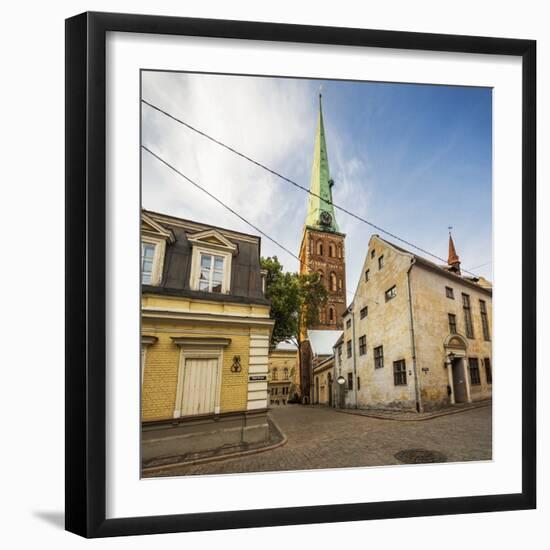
(417, 335)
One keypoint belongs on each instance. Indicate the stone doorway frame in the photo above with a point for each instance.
(455, 347)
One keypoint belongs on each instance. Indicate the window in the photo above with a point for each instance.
(275, 374)
(373, 253)
(339, 283)
(390, 293)
(379, 357)
(488, 372)
(473, 367)
(381, 262)
(399, 373)
(364, 312)
(339, 250)
(331, 250)
(362, 345)
(348, 323)
(348, 348)
(350, 381)
(367, 275)
(320, 248)
(285, 390)
(467, 316)
(484, 320)
(274, 391)
(147, 257)
(452, 323)
(331, 314)
(211, 274)
(358, 383)
(449, 292)
(285, 373)
(333, 283)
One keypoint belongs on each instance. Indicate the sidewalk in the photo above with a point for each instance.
(411, 416)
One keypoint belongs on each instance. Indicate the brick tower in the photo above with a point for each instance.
(322, 248)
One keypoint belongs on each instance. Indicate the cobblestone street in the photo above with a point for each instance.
(320, 437)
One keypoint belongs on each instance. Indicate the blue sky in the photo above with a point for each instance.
(412, 159)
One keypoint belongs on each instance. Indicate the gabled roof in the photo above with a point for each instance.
(213, 238)
(149, 225)
(442, 270)
(322, 341)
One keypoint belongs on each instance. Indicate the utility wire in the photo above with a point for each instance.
(227, 207)
(279, 175)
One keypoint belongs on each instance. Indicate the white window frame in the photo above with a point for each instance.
(158, 258)
(196, 266)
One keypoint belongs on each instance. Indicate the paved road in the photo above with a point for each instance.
(320, 437)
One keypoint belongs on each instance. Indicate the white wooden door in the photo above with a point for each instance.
(199, 386)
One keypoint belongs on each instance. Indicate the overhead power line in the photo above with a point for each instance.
(295, 184)
(233, 211)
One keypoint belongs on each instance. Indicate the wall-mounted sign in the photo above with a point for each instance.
(258, 377)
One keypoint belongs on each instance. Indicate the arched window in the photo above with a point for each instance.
(339, 250)
(322, 317)
(275, 374)
(285, 373)
(331, 315)
(333, 286)
(321, 275)
(331, 250)
(339, 283)
(320, 248)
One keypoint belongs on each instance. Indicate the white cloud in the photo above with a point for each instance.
(273, 121)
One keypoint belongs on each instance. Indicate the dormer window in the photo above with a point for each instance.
(211, 261)
(147, 259)
(154, 240)
(211, 275)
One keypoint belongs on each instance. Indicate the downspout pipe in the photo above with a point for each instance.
(354, 354)
(418, 395)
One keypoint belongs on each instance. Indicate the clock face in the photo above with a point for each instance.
(326, 218)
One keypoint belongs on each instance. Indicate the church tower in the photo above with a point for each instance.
(322, 248)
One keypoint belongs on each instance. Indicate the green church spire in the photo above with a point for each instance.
(320, 212)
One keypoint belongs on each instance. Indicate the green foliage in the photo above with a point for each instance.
(295, 300)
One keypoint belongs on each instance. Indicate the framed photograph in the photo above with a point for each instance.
(300, 274)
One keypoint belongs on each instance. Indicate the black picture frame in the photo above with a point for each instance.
(86, 268)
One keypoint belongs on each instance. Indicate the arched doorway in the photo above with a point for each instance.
(455, 347)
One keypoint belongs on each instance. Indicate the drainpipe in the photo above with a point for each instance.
(354, 355)
(418, 397)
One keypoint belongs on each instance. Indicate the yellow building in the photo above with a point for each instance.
(417, 335)
(284, 374)
(205, 340)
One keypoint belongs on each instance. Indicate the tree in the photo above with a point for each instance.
(296, 300)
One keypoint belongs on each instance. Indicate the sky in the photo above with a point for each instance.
(413, 159)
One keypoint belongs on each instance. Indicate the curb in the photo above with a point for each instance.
(435, 415)
(206, 460)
